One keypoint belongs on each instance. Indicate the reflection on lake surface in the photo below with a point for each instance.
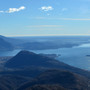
(84, 45)
(73, 56)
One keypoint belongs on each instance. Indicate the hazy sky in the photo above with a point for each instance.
(44, 17)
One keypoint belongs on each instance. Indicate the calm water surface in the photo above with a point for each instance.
(75, 56)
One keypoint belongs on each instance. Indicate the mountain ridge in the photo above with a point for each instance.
(66, 79)
(28, 59)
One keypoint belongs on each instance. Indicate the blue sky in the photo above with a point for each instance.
(44, 17)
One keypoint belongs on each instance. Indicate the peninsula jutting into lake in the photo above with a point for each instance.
(44, 44)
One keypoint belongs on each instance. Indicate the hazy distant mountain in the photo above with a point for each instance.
(5, 45)
(45, 45)
(12, 40)
(40, 43)
(65, 79)
(28, 59)
(2, 36)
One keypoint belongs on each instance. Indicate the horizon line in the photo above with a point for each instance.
(47, 35)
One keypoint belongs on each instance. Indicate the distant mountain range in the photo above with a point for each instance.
(45, 45)
(5, 45)
(42, 43)
(28, 44)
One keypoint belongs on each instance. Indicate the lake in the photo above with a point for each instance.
(75, 56)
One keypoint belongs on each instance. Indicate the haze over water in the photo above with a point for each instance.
(76, 56)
